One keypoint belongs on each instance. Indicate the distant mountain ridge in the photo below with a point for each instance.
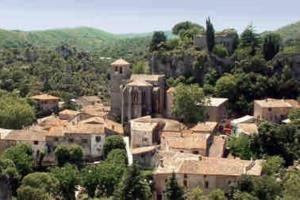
(84, 38)
(92, 39)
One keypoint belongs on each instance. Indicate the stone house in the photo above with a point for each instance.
(88, 100)
(186, 142)
(216, 109)
(68, 114)
(274, 110)
(47, 103)
(90, 137)
(205, 127)
(204, 172)
(145, 157)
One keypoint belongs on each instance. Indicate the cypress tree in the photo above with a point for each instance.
(271, 45)
(210, 35)
(173, 190)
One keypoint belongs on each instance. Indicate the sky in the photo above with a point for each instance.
(138, 16)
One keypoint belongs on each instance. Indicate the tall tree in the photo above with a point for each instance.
(173, 189)
(271, 45)
(133, 186)
(187, 103)
(157, 38)
(184, 26)
(250, 39)
(210, 35)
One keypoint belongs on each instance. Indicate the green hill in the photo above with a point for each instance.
(83, 38)
(290, 34)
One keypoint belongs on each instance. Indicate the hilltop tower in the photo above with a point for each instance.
(120, 74)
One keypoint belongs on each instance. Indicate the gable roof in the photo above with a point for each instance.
(120, 62)
(215, 102)
(207, 127)
(276, 103)
(221, 167)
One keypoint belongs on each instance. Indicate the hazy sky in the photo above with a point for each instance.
(126, 16)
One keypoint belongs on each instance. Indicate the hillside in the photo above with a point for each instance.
(290, 32)
(83, 37)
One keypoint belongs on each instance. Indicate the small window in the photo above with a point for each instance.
(56, 139)
(185, 183)
(185, 175)
(206, 185)
(121, 70)
(71, 140)
(35, 142)
(195, 152)
(116, 69)
(145, 139)
(98, 138)
(229, 182)
(270, 109)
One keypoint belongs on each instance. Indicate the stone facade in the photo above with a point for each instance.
(273, 110)
(216, 109)
(134, 96)
(227, 38)
(46, 103)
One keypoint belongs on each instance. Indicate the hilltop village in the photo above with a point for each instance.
(141, 113)
(208, 116)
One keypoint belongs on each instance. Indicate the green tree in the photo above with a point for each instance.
(15, 112)
(157, 39)
(294, 115)
(273, 165)
(173, 189)
(117, 156)
(250, 39)
(68, 177)
(68, 154)
(291, 185)
(38, 183)
(140, 68)
(220, 51)
(240, 147)
(111, 143)
(132, 186)
(181, 27)
(210, 35)
(226, 86)
(216, 194)
(21, 155)
(9, 178)
(271, 45)
(187, 103)
(195, 194)
(266, 187)
(89, 179)
(243, 196)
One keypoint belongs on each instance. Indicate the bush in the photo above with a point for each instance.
(111, 143)
(220, 51)
(68, 154)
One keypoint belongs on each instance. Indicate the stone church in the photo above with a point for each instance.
(135, 95)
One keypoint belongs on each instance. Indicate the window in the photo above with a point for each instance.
(71, 140)
(145, 139)
(35, 142)
(206, 184)
(56, 139)
(116, 69)
(185, 183)
(185, 175)
(121, 70)
(270, 109)
(195, 152)
(98, 138)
